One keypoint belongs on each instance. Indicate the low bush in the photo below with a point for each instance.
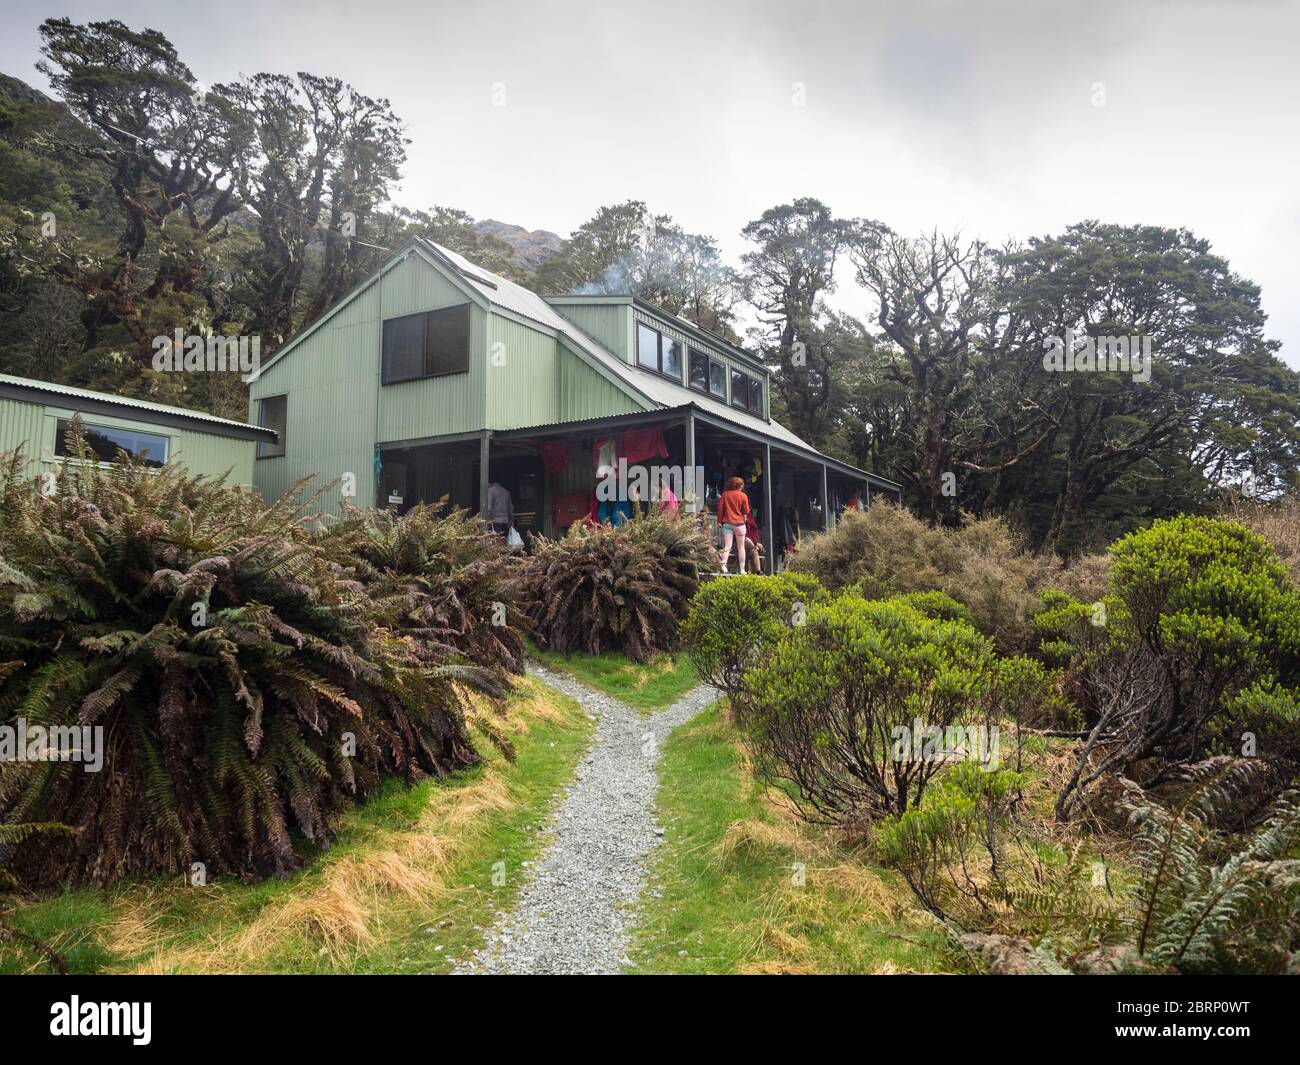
(885, 551)
(939, 606)
(733, 621)
(1190, 899)
(934, 843)
(835, 708)
(1084, 577)
(622, 588)
(244, 685)
(1195, 651)
(810, 590)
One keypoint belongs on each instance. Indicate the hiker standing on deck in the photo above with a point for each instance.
(733, 510)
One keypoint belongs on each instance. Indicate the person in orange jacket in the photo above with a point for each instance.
(733, 510)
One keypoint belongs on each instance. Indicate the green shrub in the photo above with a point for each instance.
(619, 588)
(810, 590)
(1214, 604)
(886, 551)
(826, 710)
(1197, 644)
(1211, 597)
(245, 683)
(934, 844)
(734, 620)
(938, 606)
(1189, 898)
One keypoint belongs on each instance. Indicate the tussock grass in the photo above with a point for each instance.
(747, 888)
(411, 872)
(1278, 523)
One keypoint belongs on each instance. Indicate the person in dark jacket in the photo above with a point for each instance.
(500, 509)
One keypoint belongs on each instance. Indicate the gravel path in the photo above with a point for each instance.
(577, 911)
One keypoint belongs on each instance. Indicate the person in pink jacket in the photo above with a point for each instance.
(667, 500)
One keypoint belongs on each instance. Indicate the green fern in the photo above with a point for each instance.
(1208, 902)
(247, 671)
(624, 588)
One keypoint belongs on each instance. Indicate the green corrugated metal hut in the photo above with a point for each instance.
(34, 415)
(434, 376)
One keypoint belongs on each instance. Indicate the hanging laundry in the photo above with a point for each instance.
(604, 454)
(750, 469)
(639, 444)
(555, 455)
(615, 511)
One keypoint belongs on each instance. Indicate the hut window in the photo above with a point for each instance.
(429, 344)
(272, 413)
(107, 442)
(746, 392)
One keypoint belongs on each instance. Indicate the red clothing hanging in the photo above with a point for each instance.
(555, 455)
(641, 444)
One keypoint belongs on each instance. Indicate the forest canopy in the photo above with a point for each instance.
(140, 202)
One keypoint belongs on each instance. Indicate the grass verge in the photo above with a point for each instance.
(650, 686)
(414, 878)
(743, 887)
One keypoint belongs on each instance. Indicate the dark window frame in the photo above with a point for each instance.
(691, 355)
(748, 405)
(710, 363)
(720, 396)
(61, 426)
(264, 446)
(735, 397)
(386, 356)
(658, 367)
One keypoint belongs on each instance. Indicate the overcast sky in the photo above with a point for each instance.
(1001, 119)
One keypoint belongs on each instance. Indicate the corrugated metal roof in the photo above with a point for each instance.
(49, 388)
(659, 390)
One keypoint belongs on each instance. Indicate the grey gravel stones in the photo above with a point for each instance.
(577, 909)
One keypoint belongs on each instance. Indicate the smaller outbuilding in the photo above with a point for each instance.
(35, 416)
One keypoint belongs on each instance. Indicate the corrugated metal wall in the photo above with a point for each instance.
(439, 405)
(212, 455)
(606, 323)
(23, 425)
(585, 394)
(337, 411)
(523, 375)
